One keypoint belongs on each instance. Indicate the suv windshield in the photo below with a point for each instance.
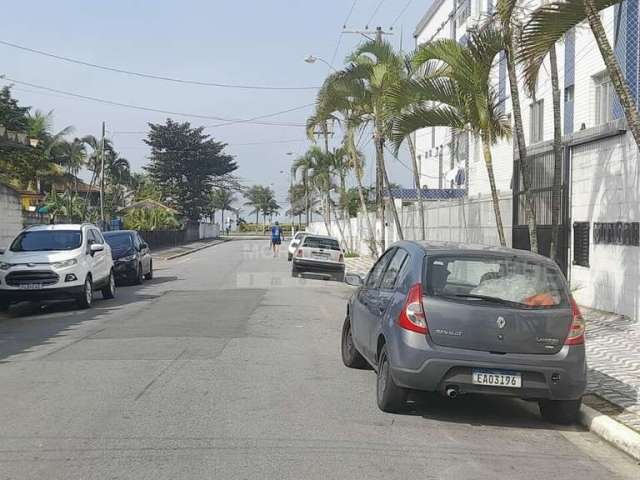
(47, 240)
(119, 241)
(317, 242)
(499, 279)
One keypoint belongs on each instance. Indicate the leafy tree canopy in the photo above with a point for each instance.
(184, 163)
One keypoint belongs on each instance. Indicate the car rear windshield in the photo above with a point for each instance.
(119, 241)
(47, 240)
(519, 282)
(319, 242)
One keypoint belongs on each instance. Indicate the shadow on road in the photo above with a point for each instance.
(29, 324)
(480, 410)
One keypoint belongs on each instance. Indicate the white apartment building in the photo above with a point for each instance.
(601, 178)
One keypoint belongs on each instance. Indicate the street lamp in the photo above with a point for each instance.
(314, 59)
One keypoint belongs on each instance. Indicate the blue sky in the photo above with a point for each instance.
(241, 42)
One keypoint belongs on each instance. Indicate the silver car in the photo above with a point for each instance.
(456, 319)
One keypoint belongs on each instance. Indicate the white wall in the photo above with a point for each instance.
(606, 188)
(10, 215)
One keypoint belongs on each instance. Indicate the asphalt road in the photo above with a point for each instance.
(225, 367)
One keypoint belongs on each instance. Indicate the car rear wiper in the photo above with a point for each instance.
(483, 297)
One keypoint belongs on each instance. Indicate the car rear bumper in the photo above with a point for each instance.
(318, 266)
(418, 364)
(14, 296)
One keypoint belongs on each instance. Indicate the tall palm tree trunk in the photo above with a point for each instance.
(617, 78)
(525, 167)
(380, 187)
(416, 180)
(345, 209)
(363, 205)
(488, 161)
(556, 197)
(394, 210)
(340, 230)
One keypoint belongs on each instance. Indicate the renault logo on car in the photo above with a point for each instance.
(501, 322)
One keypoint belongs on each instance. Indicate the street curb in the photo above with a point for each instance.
(617, 434)
(189, 252)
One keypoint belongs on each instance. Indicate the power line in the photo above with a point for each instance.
(375, 11)
(344, 25)
(401, 13)
(168, 112)
(149, 75)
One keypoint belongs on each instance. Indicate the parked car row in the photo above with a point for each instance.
(48, 262)
(457, 319)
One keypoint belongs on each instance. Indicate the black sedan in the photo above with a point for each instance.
(132, 260)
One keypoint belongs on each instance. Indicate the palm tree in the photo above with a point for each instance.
(73, 156)
(510, 25)
(377, 68)
(343, 102)
(41, 165)
(255, 199)
(549, 23)
(303, 165)
(222, 199)
(457, 93)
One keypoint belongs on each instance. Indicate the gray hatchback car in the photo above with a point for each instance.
(457, 318)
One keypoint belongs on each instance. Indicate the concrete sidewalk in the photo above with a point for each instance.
(168, 253)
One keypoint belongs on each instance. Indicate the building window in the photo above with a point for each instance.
(463, 11)
(581, 244)
(604, 94)
(536, 121)
(568, 94)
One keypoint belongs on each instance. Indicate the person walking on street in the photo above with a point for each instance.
(276, 238)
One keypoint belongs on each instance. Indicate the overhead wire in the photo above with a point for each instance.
(228, 121)
(149, 75)
(402, 12)
(375, 11)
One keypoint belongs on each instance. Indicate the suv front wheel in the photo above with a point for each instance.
(86, 297)
(109, 291)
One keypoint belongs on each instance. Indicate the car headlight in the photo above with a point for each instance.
(128, 258)
(65, 263)
(5, 266)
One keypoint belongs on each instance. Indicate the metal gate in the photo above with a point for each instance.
(542, 191)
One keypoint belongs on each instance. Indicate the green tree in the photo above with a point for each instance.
(549, 23)
(223, 200)
(457, 93)
(184, 163)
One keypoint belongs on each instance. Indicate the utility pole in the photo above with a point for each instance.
(102, 178)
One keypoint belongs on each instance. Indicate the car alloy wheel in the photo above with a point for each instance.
(350, 355)
(390, 397)
(86, 297)
(110, 290)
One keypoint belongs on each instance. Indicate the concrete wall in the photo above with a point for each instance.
(470, 220)
(606, 188)
(10, 215)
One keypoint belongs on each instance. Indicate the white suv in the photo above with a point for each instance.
(56, 261)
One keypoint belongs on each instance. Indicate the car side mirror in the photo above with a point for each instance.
(143, 246)
(96, 247)
(353, 279)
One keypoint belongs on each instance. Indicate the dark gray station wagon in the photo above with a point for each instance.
(456, 318)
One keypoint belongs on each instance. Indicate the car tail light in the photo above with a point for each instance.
(576, 331)
(299, 253)
(413, 317)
